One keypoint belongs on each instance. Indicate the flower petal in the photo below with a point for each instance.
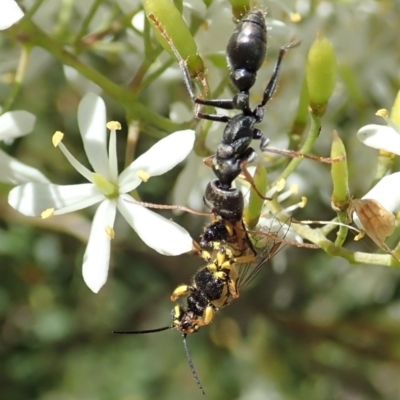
(14, 124)
(97, 255)
(162, 235)
(92, 125)
(387, 192)
(160, 158)
(10, 13)
(32, 199)
(380, 137)
(13, 171)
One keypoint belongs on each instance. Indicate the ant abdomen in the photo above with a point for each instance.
(246, 49)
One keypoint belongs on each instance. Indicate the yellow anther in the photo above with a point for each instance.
(303, 202)
(295, 17)
(143, 175)
(382, 113)
(387, 154)
(294, 188)
(113, 125)
(110, 232)
(47, 213)
(359, 236)
(57, 138)
(280, 185)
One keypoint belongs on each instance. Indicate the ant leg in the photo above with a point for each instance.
(225, 104)
(271, 87)
(250, 179)
(212, 117)
(182, 63)
(258, 135)
(296, 154)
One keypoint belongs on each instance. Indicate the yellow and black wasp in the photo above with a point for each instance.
(213, 287)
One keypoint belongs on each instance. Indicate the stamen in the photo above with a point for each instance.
(113, 125)
(143, 175)
(294, 188)
(110, 232)
(57, 138)
(295, 17)
(280, 185)
(47, 213)
(382, 113)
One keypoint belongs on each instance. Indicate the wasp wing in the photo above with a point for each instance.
(266, 247)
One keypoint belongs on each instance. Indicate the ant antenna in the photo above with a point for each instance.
(196, 378)
(164, 328)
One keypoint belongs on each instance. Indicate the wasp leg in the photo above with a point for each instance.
(182, 290)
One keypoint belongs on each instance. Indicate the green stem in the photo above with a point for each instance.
(315, 236)
(88, 18)
(32, 10)
(153, 76)
(28, 33)
(343, 230)
(306, 148)
(19, 78)
(64, 18)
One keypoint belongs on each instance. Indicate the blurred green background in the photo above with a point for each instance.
(309, 327)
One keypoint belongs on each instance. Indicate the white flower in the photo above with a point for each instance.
(192, 182)
(381, 137)
(387, 192)
(10, 13)
(14, 124)
(110, 190)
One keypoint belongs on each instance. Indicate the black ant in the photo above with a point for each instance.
(217, 284)
(245, 54)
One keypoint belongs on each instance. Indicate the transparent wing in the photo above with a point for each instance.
(267, 241)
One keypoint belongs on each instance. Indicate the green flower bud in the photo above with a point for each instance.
(166, 20)
(301, 119)
(395, 113)
(252, 213)
(320, 74)
(340, 175)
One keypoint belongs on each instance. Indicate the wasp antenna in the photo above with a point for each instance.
(196, 378)
(164, 328)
